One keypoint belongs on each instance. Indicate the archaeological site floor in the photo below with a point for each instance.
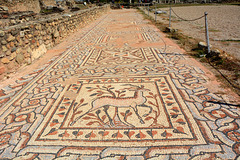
(122, 91)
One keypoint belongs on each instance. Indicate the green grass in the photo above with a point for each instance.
(235, 3)
(213, 30)
(82, 6)
(230, 40)
(198, 53)
(46, 11)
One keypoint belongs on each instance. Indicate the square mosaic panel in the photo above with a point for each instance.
(120, 112)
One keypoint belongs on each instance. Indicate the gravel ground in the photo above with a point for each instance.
(223, 23)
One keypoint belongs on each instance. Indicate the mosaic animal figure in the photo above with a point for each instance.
(105, 102)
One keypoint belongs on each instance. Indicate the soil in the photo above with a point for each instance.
(224, 35)
(223, 24)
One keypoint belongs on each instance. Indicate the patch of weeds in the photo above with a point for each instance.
(226, 44)
(235, 3)
(213, 30)
(225, 63)
(184, 41)
(203, 60)
(159, 25)
(236, 75)
(46, 11)
(82, 6)
(230, 40)
(145, 16)
(198, 53)
(174, 36)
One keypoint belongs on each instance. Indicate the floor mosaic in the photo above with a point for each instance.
(119, 93)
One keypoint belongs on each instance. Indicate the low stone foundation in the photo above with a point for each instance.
(23, 43)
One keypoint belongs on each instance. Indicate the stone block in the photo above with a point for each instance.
(56, 34)
(19, 58)
(36, 33)
(13, 55)
(28, 61)
(18, 38)
(49, 45)
(11, 65)
(39, 52)
(26, 41)
(43, 33)
(2, 33)
(19, 50)
(20, 43)
(8, 46)
(3, 42)
(21, 33)
(38, 27)
(5, 60)
(2, 69)
(29, 50)
(2, 55)
(12, 44)
(8, 53)
(10, 38)
(40, 41)
(14, 32)
(27, 55)
(49, 30)
(4, 49)
(29, 35)
(13, 49)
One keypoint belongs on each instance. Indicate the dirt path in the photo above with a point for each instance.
(119, 90)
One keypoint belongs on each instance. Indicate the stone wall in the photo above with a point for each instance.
(26, 5)
(22, 5)
(23, 43)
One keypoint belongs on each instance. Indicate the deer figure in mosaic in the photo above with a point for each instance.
(105, 102)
